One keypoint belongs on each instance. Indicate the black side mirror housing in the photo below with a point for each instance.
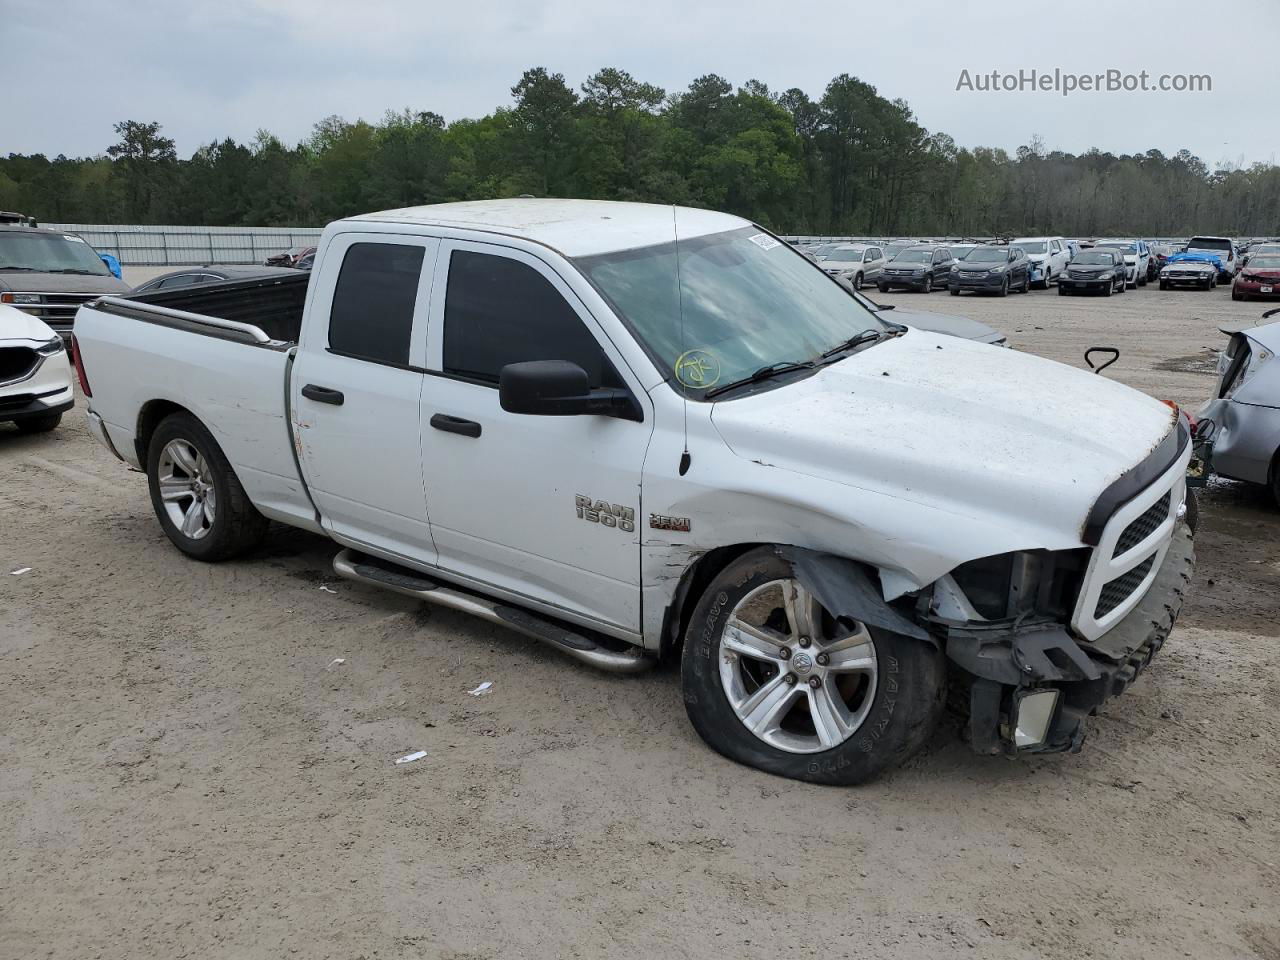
(560, 388)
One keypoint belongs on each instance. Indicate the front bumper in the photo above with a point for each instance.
(1253, 288)
(889, 281)
(1004, 667)
(15, 407)
(1202, 279)
(963, 282)
(1067, 283)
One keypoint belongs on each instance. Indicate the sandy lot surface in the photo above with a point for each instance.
(183, 773)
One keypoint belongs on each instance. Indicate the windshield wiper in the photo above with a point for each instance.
(870, 335)
(28, 269)
(764, 373)
(83, 273)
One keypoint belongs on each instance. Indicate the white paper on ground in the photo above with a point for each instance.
(481, 690)
(18, 573)
(410, 757)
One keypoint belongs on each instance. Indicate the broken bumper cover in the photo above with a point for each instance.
(1007, 667)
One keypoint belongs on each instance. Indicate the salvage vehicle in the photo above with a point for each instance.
(1223, 248)
(854, 264)
(1198, 270)
(1237, 432)
(48, 274)
(636, 432)
(35, 377)
(1099, 270)
(1048, 257)
(919, 268)
(1260, 277)
(991, 270)
(1137, 259)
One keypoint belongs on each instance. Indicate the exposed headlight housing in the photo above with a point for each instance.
(1010, 585)
(21, 298)
(51, 347)
(955, 268)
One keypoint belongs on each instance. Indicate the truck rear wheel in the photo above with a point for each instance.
(196, 495)
(774, 681)
(39, 424)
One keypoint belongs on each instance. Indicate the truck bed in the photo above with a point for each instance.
(221, 351)
(272, 304)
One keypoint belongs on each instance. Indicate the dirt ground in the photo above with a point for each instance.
(185, 772)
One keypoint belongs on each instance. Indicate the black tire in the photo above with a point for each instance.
(237, 525)
(39, 424)
(882, 287)
(1062, 291)
(1107, 290)
(857, 282)
(928, 284)
(955, 291)
(1026, 283)
(1163, 285)
(904, 709)
(1004, 288)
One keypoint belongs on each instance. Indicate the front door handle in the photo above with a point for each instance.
(323, 394)
(467, 428)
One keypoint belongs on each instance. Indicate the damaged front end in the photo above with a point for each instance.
(1029, 685)
(1045, 637)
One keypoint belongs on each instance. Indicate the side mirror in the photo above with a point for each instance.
(559, 388)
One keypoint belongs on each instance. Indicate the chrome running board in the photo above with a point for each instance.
(380, 573)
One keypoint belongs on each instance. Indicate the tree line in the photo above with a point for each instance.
(850, 162)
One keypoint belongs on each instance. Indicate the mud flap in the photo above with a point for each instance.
(843, 587)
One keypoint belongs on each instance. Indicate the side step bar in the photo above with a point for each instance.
(365, 569)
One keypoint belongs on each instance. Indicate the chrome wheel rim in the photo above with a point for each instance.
(795, 677)
(186, 489)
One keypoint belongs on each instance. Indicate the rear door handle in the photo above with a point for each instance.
(323, 394)
(467, 428)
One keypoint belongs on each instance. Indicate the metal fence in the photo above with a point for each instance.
(162, 246)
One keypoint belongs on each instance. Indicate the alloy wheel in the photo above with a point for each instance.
(186, 489)
(797, 678)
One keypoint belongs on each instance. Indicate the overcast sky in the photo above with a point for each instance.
(227, 68)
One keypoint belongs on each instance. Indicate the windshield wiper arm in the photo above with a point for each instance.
(764, 373)
(870, 335)
(85, 273)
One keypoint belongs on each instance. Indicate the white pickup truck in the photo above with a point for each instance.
(636, 432)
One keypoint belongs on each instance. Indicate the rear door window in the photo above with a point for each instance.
(372, 313)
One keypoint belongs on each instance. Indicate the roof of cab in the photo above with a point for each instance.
(575, 228)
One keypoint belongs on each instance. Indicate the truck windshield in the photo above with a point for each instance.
(1033, 246)
(748, 302)
(32, 252)
(1208, 243)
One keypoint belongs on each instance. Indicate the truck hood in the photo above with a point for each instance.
(1017, 441)
(20, 281)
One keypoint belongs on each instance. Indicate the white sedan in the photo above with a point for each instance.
(35, 375)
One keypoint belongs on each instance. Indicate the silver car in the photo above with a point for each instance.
(1238, 431)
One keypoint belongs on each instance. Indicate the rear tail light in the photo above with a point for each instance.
(78, 360)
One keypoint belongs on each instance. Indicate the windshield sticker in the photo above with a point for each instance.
(697, 369)
(67, 236)
(764, 241)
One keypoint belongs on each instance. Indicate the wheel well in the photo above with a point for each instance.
(150, 417)
(693, 582)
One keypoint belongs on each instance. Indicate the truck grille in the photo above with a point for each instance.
(16, 363)
(1129, 551)
(1121, 588)
(58, 310)
(1144, 526)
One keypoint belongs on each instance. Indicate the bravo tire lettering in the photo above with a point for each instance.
(605, 514)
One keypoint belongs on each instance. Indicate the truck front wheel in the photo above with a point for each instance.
(196, 495)
(772, 680)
